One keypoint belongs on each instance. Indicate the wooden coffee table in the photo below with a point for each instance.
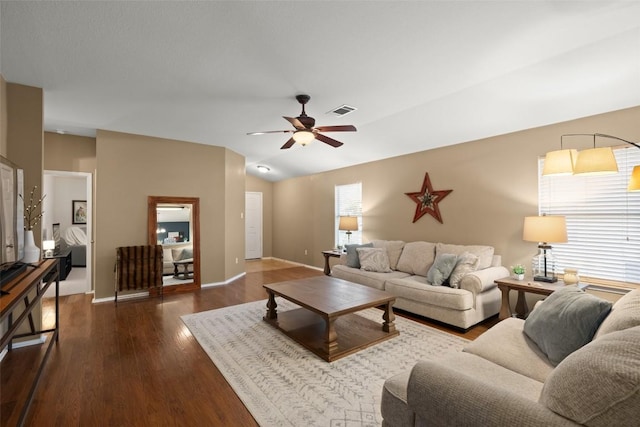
(326, 323)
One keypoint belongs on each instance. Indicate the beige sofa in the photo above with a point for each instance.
(504, 378)
(175, 251)
(473, 298)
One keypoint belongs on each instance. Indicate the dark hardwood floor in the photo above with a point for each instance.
(137, 364)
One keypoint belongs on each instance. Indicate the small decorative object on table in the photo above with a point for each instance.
(570, 276)
(518, 271)
(31, 219)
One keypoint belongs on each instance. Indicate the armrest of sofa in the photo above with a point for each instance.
(445, 397)
(483, 280)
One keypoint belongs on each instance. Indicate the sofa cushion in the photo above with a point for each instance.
(416, 288)
(566, 321)
(417, 257)
(506, 345)
(625, 313)
(441, 269)
(598, 385)
(352, 259)
(367, 278)
(466, 263)
(484, 253)
(374, 259)
(394, 250)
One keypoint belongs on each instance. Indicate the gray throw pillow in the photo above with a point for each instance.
(441, 269)
(466, 263)
(352, 255)
(565, 321)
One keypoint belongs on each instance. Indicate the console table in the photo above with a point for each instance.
(20, 291)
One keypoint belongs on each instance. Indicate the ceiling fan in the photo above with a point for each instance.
(305, 132)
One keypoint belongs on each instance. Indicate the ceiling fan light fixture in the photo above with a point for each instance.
(263, 168)
(303, 137)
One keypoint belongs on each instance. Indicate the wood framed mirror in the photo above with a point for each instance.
(174, 223)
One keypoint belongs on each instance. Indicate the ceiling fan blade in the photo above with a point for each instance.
(288, 144)
(269, 131)
(341, 128)
(295, 122)
(332, 142)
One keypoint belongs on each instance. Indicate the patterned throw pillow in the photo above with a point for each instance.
(466, 263)
(374, 259)
(352, 259)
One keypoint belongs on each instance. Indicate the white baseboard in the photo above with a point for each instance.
(313, 267)
(121, 297)
(226, 282)
(36, 341)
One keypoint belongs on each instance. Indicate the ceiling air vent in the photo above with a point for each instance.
(342, 110)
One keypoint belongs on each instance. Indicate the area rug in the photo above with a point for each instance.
(283, 384)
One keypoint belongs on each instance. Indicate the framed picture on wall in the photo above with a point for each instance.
(79, 212)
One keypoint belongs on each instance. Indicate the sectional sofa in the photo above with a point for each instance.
(464, 293)
(513, 376)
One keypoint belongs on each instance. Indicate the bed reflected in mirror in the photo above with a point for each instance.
(174, 224)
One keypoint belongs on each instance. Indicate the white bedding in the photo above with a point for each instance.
(75, 236)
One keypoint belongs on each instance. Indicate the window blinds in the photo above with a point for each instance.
(603, 220)
(348, 202)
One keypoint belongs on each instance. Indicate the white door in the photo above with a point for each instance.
(253, 225)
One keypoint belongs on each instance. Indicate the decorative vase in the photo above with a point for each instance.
(571, 276)
(31, 251)
(518, 276)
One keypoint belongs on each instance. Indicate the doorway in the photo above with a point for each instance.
(253, 225)
(65, 190)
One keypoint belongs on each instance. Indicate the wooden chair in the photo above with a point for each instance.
(138, 268)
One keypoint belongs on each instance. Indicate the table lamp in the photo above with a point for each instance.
(348, 224)
(48, 246)
(545, 229)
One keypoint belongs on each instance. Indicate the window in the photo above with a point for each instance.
(348, 203)
(603, 220)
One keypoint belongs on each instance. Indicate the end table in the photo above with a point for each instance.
(522, 286)
(329, 254)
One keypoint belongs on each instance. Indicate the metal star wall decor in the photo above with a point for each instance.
(427, 200)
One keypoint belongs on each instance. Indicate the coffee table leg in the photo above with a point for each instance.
(389, 318)
(331, 338)
(272, 313)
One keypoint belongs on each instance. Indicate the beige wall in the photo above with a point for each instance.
(69, 153)
(494, 183)
(234, 214)
(133, 167)
(255, 184)
(23, 124)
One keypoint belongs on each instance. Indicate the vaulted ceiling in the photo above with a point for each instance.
(422, 74)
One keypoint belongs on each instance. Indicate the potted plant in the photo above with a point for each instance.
(518, 271)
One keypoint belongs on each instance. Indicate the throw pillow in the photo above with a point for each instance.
(187, 253)
(565, 321)
(176, 254)
(599, 384)
(441, 269)
(374, 259)
(466, 263)
(352, 259)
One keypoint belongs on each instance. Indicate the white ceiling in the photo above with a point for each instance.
(422, 74)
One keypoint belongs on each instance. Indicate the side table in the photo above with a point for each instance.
(506, 284)
(329, 254)
(65, 261)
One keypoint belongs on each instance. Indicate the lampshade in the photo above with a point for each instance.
(596, 161)
(634, 182)
(303, 137)
(48, 245)
(545, 228)
(348, 223)
(560, 162)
